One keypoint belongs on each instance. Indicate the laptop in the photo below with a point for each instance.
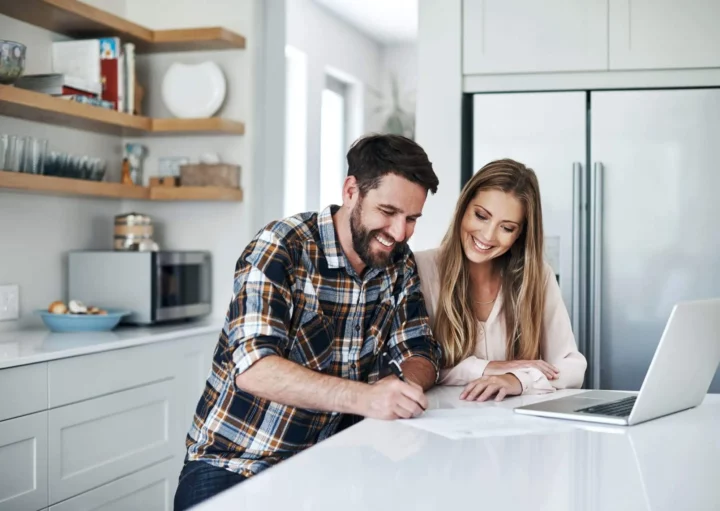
(679, 376)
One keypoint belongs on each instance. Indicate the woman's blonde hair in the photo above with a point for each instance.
(521, 268)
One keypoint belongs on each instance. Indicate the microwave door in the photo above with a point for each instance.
(182, 285)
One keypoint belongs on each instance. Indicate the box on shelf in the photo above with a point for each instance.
(206, 174)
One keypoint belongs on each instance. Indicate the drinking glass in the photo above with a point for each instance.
(34, 159)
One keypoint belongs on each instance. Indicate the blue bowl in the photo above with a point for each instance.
(82, 322)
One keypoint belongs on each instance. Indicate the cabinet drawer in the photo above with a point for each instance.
(103, 439)
(76, 379)
(151, 489)
(24, 390)
(23, 463)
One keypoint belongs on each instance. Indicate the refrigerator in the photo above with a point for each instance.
(629, 183)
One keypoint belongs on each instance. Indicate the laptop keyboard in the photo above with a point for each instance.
(620, 408)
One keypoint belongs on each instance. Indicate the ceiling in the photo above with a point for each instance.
(386, 21)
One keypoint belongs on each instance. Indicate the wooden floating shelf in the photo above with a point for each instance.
(195, 193)
(79, 20)
(66, 186)
(216, 125)
(35, 106)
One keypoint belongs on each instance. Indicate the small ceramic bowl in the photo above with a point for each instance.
(82, 322)
(12, 61)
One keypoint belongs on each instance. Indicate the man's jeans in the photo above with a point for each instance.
(200, 481)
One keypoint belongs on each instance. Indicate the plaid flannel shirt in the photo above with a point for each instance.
(296, 296)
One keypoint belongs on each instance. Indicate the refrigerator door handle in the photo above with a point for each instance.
(576, 251)
(596, 189)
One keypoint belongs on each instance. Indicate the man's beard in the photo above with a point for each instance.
(361, 239)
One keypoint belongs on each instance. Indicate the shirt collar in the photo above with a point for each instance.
(333, 250)
(328, 239)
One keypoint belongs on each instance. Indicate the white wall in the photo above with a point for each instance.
(37, 231)
(222, 228)
(330, 44)
(401, 62)
(439, 100)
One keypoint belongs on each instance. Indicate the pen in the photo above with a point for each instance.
(395, 367)
(397, 371)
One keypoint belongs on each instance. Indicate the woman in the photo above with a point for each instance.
(494, 305)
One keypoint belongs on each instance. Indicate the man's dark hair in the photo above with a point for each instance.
(374, 156)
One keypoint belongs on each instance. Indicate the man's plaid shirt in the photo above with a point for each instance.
(296, 296)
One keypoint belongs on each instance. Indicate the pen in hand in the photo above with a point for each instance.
(397, 371)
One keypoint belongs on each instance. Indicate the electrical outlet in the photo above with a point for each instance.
(9, 302)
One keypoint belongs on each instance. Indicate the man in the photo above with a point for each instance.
(321, 302)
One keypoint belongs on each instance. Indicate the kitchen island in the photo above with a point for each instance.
(484, 456)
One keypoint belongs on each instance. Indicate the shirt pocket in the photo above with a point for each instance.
(313, 345)
(379, 328)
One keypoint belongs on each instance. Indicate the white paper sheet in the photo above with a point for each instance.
(462, 423)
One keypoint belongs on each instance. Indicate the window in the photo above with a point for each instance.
(333, 140)
(295, 132)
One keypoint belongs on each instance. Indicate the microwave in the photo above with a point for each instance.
(155, 287)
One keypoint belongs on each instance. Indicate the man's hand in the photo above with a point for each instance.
(391, 399)
(486, 387)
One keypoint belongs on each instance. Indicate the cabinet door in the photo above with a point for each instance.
(530, 36)
(97, 441)
(196, 361)
(33, 381)
(150, 489)
(664, 34)
(23, 463)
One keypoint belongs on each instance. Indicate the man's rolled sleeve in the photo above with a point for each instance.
(411, 335)
(259, 314)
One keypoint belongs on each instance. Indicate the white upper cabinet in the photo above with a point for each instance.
(532, 36)
(664, 34)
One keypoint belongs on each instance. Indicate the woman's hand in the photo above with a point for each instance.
(486, 387)
(497, 367)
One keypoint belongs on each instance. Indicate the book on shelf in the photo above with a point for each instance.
(112, 70)
(129, 75)
(78, 98)
(103, 60)
(57, 84)
(80, 59)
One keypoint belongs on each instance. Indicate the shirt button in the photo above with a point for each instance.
(357, 327)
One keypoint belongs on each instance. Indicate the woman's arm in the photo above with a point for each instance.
(466, 371)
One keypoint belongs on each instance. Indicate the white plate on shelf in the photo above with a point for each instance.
(192, 91)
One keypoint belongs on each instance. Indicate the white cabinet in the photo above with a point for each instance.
(97, 441)
(150, 489)
(109, 432)
(664, 34)
(80, 378)
(195, 365)
(531, 36)
(23, 463)
(23, 390)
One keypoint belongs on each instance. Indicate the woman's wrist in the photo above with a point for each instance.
(515, 381)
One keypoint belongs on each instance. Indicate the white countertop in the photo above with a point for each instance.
(24, 347)
(512, 463)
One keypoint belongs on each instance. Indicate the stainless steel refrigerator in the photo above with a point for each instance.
(630, 186)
